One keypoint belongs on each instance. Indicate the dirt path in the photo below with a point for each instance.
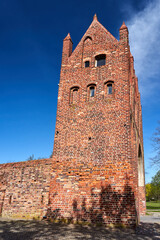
(41, 230)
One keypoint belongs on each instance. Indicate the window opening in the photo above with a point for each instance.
(109, 88)
(92, 91)
(100, 60)
(42, 199)
(10, 199)
(86, 64)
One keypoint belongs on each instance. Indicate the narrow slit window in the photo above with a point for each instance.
(92, 91)
(10, 199)
(109, 89)
(86, 64)
(42, 199)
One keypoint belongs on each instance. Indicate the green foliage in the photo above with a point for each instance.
(155, 186)
(148, 191)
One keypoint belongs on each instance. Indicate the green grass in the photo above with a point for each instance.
(153, 206)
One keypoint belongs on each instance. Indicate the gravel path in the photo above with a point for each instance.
(154, 217)
(41, 230)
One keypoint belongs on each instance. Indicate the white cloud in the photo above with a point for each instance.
(144, 35)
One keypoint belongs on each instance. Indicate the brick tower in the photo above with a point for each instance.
(98, 166)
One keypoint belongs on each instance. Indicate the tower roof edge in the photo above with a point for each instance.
(68, 37)
(123, 26)
(95, 17)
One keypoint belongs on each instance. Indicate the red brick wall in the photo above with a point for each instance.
(24, 188)
(98, 146)
(95, 157)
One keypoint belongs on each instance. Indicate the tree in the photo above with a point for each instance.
(155, 186)
(148, 191)
(31, 158)
(155, 160)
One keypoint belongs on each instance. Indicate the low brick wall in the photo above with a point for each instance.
(24, 188)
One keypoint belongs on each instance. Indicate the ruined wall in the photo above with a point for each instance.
(24, 188)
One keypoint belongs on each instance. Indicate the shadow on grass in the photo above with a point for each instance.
(152, 207)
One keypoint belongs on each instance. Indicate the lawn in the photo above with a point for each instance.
(153, 206)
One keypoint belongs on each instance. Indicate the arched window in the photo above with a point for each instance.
(74, 95)
(109, 88)
(100, 60)
(91, 90)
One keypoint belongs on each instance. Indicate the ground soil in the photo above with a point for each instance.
(148, 229)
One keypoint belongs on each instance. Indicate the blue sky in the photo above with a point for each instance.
(32, 33)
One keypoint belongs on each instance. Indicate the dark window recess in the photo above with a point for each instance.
(100, 60)
(86, 64)
(10, 199)
(109, 88)
(75, 90)
(42, 199)
(92, 91)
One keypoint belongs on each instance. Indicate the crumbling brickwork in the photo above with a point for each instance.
(98, 168)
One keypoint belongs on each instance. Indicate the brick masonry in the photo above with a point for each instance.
(98, 169)
(96, 173)
(24, 189)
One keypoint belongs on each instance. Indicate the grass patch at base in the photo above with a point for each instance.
(153, 206)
